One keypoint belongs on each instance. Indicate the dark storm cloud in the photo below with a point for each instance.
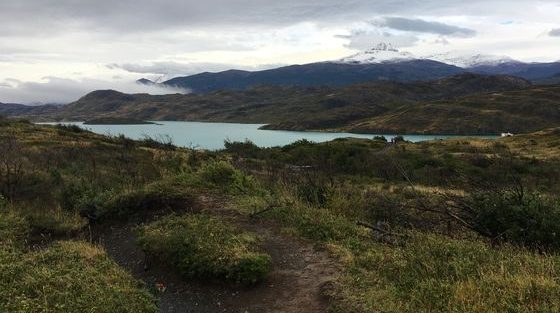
(555, 32)
(422, 26)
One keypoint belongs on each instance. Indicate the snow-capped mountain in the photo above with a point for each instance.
(382, 53)
(386, 53)
(466, 60)
(384, 62)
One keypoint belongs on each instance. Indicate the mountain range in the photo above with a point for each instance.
(461, 104)
(382, 90)
(383, 62)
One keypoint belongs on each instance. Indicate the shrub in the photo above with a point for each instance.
(525, 219)
(314, 191)
(222, 175)
(202, 246)
(398, 139)
(68, 128)
(155, 197)
(380, 138)
(163, 142)
(94, 203)
(247, 148)
(71, 277)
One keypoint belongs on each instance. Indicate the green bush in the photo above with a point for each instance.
(202, 246)
(380, 138)
(98, 204)
(155, 197)
(525, 219)
(222, 175)
(69, 128)
(70, 277)
(246, 148)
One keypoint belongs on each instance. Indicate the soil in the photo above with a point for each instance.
(299, 271)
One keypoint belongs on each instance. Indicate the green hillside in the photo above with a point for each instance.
(517, 111)
(91, 222)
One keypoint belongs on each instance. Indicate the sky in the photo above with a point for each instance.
(54, 51)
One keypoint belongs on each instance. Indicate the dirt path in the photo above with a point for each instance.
(294, 285)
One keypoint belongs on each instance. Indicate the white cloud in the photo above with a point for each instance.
(62, 38)
(61, 90)
(171, 69)
(365, 39)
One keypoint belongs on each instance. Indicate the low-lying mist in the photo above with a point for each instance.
(55, 90)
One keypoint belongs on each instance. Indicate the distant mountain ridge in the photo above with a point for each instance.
(363, 107)
(383, 62)
(316, 74)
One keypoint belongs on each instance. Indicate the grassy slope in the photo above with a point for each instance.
(517, 111)
(57, 165)
(68, 276)
(437, 267)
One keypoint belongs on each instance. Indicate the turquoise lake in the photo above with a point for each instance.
(211, 136)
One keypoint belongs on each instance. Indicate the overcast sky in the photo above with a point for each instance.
(55, 50)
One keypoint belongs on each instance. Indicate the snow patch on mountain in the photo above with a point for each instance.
(466, 60)
(382, 53)
(386, 53)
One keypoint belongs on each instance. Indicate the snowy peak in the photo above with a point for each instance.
(465, 60)
(386, 53)
(381, 53)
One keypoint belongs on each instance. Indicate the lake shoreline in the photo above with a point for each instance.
(211, 136)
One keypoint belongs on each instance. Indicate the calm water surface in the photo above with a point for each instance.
(211, 136)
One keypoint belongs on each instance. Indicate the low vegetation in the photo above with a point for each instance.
(204, 247)
(116, 121)
(461, 225)
(68, 277)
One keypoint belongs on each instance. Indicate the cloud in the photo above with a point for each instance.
(422, 26)
(148, 15)
(555, 32)
(441, 41)
(170, 69)
(366, 39)
(60, 91)
(59, 37)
